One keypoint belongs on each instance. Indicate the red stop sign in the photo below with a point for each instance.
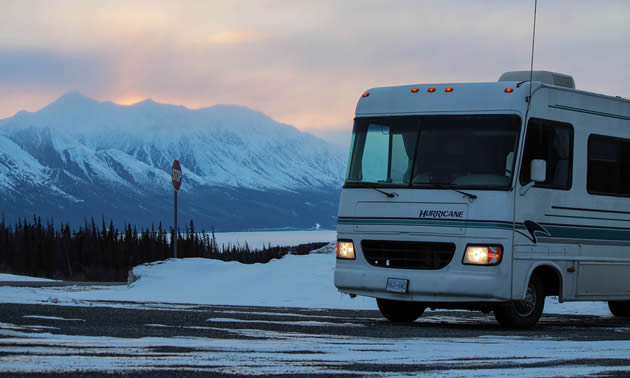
(176, 175)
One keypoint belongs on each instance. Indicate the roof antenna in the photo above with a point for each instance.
(531, 67)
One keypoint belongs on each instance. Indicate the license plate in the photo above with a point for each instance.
(397, 285)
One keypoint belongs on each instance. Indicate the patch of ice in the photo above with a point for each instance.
(40, 327)
(53, 318)
(309, 323)
(272, 352)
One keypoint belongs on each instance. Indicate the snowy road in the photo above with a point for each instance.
(189, 340)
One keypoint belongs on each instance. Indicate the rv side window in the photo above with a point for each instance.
(608, 171)
(553, 142)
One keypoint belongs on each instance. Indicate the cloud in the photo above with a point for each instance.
(48, 69)
(303, 63)
(231, 37)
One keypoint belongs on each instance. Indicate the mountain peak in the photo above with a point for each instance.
(151, 105)
(68, 103)
(80, 157)
(73, 98)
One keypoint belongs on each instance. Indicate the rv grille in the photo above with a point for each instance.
(408, 255)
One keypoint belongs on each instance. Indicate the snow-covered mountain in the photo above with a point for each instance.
(78, 158)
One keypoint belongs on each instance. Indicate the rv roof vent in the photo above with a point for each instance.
(548, 77)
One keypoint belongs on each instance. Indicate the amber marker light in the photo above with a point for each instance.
(509, 90)
(431, 90)
(449, 89)
(366, 94)
(414, 90)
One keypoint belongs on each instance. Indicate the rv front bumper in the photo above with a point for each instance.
(455, 283)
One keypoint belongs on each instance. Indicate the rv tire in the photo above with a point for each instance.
(400, 311)
(525, 313)
(620, 309)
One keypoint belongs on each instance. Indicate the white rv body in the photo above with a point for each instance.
(574, 236)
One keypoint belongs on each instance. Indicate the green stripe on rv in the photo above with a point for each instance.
(556, 231)
(424, 222)
(587, 233)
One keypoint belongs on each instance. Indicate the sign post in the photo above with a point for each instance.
(176, 178)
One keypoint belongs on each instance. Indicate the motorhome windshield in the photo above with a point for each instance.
(475, 152)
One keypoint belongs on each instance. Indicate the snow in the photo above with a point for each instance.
(553, 306)
(14, 277)
(283, 322)
(293, 281)
(218, 146)
(270, 352)
(18, 166)
(52, 318)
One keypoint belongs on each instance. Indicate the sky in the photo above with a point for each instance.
(301, 62)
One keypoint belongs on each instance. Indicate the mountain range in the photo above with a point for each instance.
(79, 158)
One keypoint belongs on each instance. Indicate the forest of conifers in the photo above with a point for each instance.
(101, 252)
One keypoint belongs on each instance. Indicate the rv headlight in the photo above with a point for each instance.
(483, 254)
(345, 249)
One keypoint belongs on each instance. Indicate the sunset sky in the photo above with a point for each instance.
(304, 63)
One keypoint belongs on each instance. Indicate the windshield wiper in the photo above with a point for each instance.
(469, 196)
(388, 194)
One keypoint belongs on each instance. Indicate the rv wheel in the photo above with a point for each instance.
(400, 311)
(525, 313)
(620, 309)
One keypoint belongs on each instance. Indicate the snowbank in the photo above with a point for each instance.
(293, 281)
(16, 278)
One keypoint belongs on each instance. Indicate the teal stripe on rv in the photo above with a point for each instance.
(583, 232)
(587, 233)
(425, 222)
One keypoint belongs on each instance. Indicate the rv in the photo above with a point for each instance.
(487, 196)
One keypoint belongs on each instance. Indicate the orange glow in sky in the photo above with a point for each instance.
(129, 100)
(305, 63)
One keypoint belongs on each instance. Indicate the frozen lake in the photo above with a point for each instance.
(259, 239)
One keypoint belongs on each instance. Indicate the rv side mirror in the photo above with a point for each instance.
(538, 172)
